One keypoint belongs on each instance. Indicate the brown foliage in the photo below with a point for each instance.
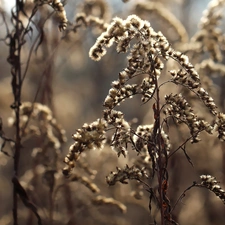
(160, 127)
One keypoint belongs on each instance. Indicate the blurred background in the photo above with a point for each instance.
(63, 77)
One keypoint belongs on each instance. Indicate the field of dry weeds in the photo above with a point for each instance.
(112, 112)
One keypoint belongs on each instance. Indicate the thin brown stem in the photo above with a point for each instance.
(15, 61)
(160, 160)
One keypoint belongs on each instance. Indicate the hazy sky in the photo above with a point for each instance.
(197, 6)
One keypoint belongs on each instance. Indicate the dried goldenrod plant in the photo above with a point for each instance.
(58, 8)
(148, 52)
(160, 117)
(211, 183)
(16, 38)
(37, 122)
(210, 36)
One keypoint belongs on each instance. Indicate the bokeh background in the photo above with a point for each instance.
(62, 76)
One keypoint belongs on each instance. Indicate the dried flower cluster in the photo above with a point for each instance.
(147, 89)
(118, 94)
(168, 85)
(144, 136)
(207, 100)
(212, 184)
(210, 37)
(121, 137)
(121, 32)
(128, 173)
(220, 126)
(144, 58)
(148, 52)
(37, 121)
(182, 77)
(193, 76)
(41, 122)
(59, 8)
(90, 136)
(182, 112)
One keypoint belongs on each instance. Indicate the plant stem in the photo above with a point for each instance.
(157, 133)
(160, 160)
(15, 51)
